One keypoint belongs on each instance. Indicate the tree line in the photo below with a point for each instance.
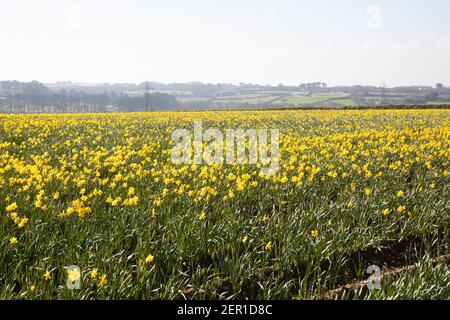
(34, 97)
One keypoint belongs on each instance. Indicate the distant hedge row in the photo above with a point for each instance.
(361, 107)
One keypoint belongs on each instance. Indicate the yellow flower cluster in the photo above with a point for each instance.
(79, 168)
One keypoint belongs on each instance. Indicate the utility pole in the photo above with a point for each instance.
(147, 100)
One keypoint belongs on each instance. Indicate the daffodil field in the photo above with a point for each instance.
(100, 192)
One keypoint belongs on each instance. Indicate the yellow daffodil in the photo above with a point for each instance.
(103, 281)
(23, 222)
(47, 275)
(94, 273)
(11, 207)
(149, 259)
(401, 209)
(314, 233)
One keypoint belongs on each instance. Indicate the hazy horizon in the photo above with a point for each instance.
(399, 43)
(75, 83)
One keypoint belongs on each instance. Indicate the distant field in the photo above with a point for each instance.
(314, 98)
(172, 92)
(345, 102)
(256, 100)
(284, 98)
(191, 99)
(245, 96)
(297, 100)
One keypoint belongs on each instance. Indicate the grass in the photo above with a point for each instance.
(245, 96)
(172, 92)
(240, 100)
(192, 99)
(426, 281)
(315, 98)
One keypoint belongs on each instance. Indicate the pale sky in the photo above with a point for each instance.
(396, 42)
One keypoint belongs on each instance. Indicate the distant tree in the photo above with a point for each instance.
(163, 100)
(432, 96)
